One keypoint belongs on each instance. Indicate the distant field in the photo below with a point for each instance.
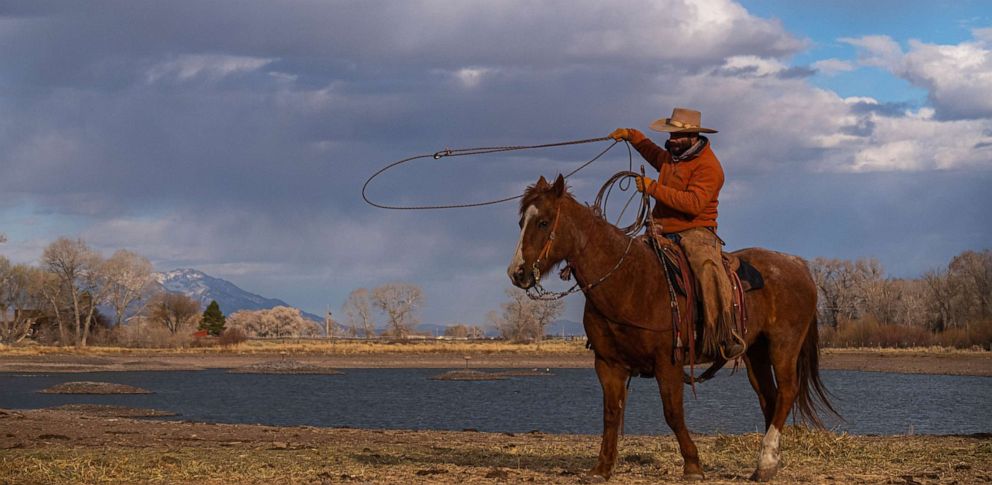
(332, 346)
(384, 346)
(435, 354)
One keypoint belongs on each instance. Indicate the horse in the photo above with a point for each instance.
(628, 321)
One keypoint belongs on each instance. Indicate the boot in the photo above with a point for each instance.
(733, 347)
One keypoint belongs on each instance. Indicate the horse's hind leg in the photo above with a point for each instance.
(784, 356)
(613, 379)
(759, 372)
(670, 383)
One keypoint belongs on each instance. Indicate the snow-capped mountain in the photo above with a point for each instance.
(203, 288)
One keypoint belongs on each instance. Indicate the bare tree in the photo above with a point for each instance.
(475, 332)
(3, 238)
(910, 306)
(878, 296)
(358, 310)
(56, 301)
(844, 287)
(524, 319)
(456, 331)
(828, 275)
(972, 271)
(175, 311)
(19, 306)
(463, 330)
(399, 302)
(79, 270)
(280, 321)
(128, 276)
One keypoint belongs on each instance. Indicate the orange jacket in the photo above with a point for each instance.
(686, 191)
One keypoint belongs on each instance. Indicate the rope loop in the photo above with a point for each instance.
(460, 152)
(537, 292)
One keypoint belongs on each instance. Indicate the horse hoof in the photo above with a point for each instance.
(760, 475)
(693, 477)
(593, 477)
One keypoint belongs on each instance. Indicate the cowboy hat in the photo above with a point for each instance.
(682, 121)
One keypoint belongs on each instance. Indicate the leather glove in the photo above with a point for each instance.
(628, 134)
(620, 134)
(645, 184)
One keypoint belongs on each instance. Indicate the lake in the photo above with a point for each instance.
(568, 401)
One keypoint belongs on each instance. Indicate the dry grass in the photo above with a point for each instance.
(868, 332)
(909, 351)
(324, 347)
(368, 456)
(362, 347)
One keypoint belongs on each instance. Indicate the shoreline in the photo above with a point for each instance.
(908, 361)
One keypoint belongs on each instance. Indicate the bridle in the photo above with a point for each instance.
(546, 250)
(537, 292)
(642, 220)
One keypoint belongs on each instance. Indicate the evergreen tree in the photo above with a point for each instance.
(213, 319)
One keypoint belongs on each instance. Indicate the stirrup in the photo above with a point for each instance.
(739, 340)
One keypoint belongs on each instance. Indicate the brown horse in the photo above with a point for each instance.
(628, 321)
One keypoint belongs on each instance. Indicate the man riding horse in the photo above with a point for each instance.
(687, 191)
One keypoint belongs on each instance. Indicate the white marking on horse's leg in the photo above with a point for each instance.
(518, 257)
(768, 459)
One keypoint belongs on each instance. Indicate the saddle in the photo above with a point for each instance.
(743, 278)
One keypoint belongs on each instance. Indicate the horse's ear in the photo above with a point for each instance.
(541, 183)
(559, 186)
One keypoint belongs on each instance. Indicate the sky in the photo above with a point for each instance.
(234, 136)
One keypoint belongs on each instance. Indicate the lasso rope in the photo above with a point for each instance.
(538, 292)
(459, 152)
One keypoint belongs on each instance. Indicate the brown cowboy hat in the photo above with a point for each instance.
(682, 121)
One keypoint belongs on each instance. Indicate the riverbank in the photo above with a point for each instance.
(444, 355)
(62, 447)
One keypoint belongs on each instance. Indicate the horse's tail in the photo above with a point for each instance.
(812, 393)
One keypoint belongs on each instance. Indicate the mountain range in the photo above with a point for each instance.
(203, 288)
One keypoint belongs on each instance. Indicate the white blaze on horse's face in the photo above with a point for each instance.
(518, 258)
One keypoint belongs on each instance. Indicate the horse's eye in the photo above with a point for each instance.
(542, 224)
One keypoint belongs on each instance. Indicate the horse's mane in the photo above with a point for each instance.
(533, 193)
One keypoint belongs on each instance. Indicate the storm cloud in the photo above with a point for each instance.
(234, 137)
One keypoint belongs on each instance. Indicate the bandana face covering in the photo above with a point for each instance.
(681, 149)
(677, 146)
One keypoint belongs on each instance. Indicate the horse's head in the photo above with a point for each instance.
(541, 245)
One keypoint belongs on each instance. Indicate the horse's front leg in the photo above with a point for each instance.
(613, 379)
(670, 383)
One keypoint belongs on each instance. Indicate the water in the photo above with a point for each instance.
(568, 402)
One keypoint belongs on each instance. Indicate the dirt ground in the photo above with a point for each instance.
(960, 363)
(973, 363)
(63, 447)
